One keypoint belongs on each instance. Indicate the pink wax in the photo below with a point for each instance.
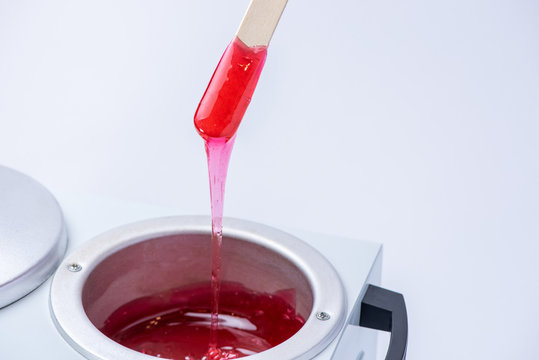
(218, 151)
(217, 118)
(230, 90)
(175, 324)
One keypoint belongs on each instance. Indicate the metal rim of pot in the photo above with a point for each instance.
(321, 327)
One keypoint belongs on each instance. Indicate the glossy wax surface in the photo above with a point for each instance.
(176, 324)
(230, 90)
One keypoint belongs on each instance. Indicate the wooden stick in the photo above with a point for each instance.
(260, 21)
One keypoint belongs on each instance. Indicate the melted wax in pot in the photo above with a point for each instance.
(176, 324)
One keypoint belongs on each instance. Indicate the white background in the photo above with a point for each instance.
(410, 123)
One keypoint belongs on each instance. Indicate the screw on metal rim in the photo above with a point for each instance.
(323, 316)
(74, 267)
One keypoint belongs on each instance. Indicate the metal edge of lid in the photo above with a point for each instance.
(33, 237)
(71, 321)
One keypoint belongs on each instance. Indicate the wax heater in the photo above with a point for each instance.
(333, 280)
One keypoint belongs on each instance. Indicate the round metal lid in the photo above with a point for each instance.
(33, 239)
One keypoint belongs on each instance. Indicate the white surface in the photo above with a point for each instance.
(410, 123)
(29, 318)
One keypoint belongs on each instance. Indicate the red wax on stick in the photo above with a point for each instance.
(230, 90)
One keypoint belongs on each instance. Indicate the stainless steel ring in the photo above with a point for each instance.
(71, 320)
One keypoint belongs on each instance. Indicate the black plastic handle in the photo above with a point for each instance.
(385, 310)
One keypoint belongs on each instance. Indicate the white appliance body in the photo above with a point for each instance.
(27, 330)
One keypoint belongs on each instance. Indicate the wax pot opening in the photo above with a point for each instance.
(154, 296)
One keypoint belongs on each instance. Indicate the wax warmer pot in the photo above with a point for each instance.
(332, 279)
(152, 256)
